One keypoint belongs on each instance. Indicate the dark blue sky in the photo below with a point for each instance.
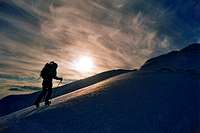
(114, 34)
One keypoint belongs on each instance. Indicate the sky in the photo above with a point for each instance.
(112, 34)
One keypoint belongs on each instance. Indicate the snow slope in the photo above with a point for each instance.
(138, 102)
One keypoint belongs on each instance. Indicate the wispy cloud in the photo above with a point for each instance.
(115, 33)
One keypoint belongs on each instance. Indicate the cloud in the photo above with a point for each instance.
(23, 88)
(98, 28)
(115, 33)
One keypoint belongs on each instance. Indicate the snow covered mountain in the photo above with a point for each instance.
(187, 59)
(151, 100)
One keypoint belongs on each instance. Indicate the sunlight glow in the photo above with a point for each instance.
(84, 64)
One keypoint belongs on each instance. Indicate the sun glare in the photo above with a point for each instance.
(84, 64)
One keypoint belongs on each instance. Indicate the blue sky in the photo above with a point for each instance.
(114, 33)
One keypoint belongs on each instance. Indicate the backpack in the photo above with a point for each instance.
(48, 71)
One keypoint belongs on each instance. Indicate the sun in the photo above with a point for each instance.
(84, 64)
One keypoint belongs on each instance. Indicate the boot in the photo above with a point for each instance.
(37, 105)
(47, 103)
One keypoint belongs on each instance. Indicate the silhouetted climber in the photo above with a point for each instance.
(48, 73)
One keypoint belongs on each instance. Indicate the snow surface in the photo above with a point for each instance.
(138, 102)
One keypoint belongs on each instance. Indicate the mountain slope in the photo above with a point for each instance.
(167, 102)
